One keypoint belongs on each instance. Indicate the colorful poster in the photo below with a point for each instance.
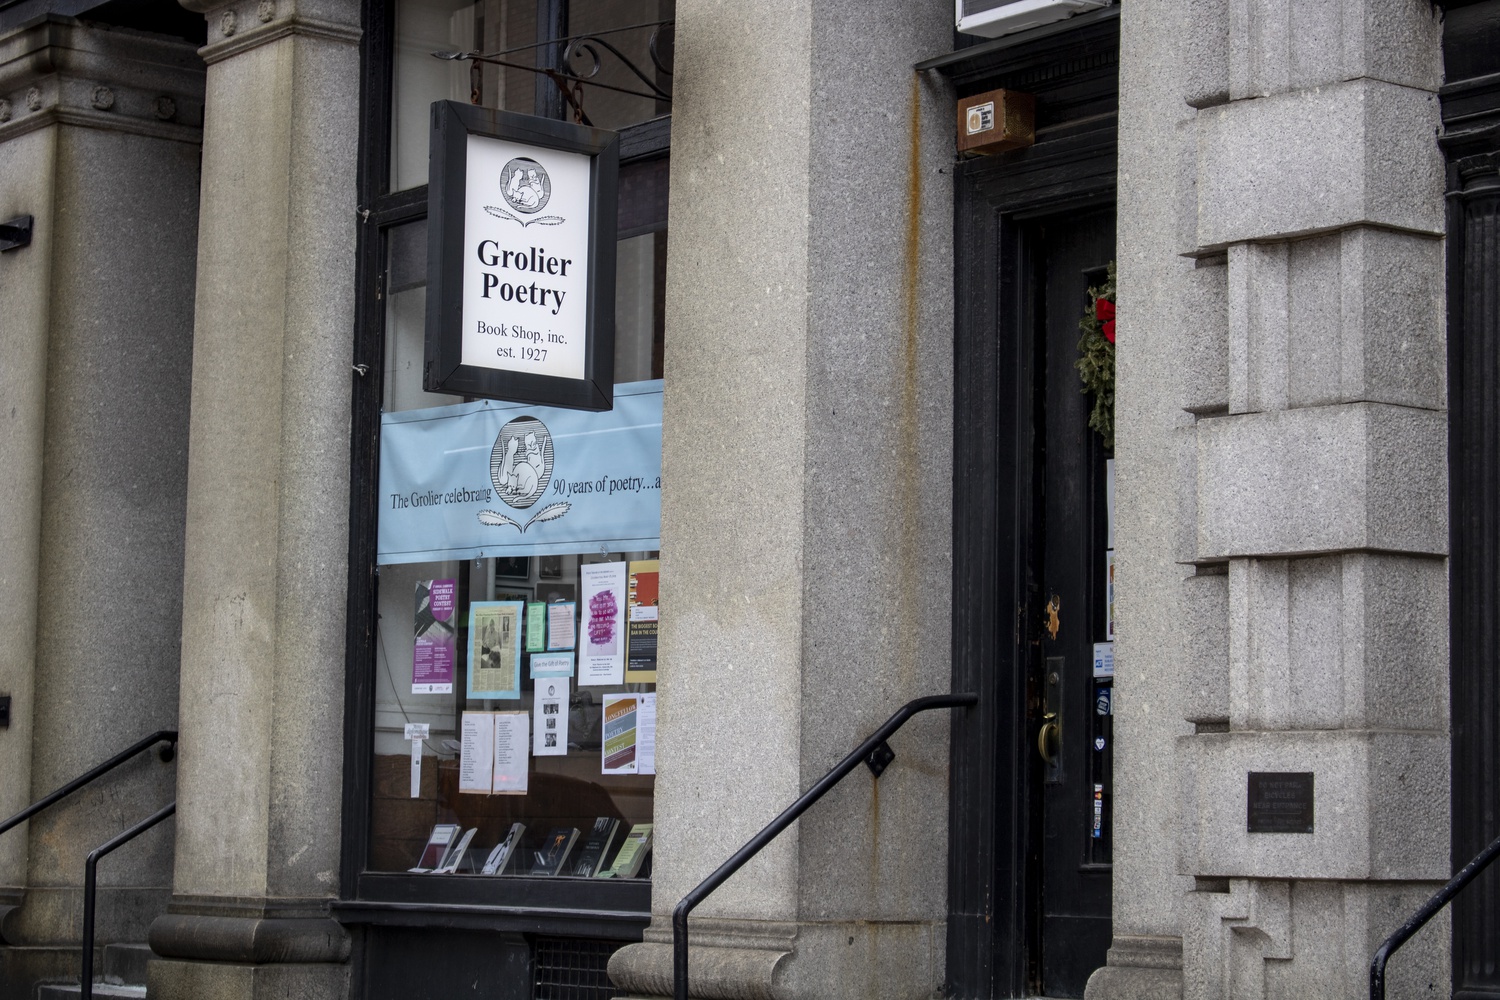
(550, 718)
(642, 620)
(562, 625)
(619, 750)
(536, 627)
(552, 665)
(495, 649)
(602, 660)
(499, 479)
(434, 651)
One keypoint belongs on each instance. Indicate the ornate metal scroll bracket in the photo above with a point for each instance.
(582, 57)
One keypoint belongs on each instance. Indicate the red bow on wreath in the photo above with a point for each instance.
(1104, 312)
(1096, 355)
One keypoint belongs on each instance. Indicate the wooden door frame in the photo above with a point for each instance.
(993, 833)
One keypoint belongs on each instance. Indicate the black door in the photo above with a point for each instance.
(1029, 865)
(1028, 880)
(1069, 707)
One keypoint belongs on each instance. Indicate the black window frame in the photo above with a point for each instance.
(606, 909)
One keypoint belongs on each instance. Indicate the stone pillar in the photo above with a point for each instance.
(1313, 481)
(1164, 361)
(258, 825)
(805, 526)
(99, 142)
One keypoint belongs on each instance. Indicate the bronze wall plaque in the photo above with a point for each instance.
(1279, 802)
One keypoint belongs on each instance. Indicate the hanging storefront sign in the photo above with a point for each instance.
(486, 479)
(521, 258)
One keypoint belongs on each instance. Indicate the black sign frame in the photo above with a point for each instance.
(444, 371)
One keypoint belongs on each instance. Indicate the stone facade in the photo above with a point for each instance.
(99, 143)
(1296, 463)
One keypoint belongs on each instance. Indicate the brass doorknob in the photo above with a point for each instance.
(1051, 731)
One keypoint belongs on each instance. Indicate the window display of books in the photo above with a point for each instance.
(604, 850)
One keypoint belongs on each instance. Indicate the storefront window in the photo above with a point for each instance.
(467, 660)
(435, 620)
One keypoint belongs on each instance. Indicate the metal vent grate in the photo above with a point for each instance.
(972, 7)
(573, 969)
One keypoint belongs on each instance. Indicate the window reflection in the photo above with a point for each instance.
(508, 30)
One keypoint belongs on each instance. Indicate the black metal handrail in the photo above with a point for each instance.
(90, 870)
(1427, 911)
(873, 752)
(168, 736)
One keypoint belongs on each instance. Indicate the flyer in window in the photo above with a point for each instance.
(551, 665)
(495, 649)
(536, 627)
(1109, 595)
(433, 652)
(549, 735)
(620, 711)
(512, 753)
(643, 616)
(493, 755)
(646, 741)
(602, 659)
(562, 625)
(476, 753)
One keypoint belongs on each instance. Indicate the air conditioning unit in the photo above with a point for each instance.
(993, 18)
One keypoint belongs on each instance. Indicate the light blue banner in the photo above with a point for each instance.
(490, 478)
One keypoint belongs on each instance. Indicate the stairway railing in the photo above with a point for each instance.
(90, 870)
(1426, 912)
(167, 736)
(874, 753)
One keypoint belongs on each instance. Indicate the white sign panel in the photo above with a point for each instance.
(526, 269)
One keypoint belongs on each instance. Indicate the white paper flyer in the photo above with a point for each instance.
(645, 748)
(512, 756)
(476, 753)
(550, 720)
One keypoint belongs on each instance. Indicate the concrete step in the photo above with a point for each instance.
(67, 991)
(125, 964)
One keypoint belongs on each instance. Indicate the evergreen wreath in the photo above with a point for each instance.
(1096, 361)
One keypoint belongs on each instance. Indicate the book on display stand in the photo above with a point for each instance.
(436, 850)
(590, 858)
(548, 859)
(633, 853)
(505, 852)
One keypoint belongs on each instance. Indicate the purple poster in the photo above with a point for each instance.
(432, 655)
